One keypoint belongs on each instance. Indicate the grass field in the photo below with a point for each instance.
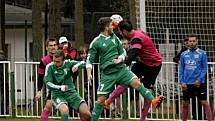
(36, 119)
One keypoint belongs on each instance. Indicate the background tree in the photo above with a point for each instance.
(55, 18)
(79, 23)
(37, 29)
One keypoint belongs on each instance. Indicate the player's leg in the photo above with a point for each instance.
(120, 88)
(75, 101)
(185, 104)
(128, 78)
(84, 112)
(202, 96)
(105, 87)
(149, 75)
(47, 109)
(64, 111)
(61, 104)
(116, 93)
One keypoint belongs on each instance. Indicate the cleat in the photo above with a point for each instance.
(157, 101)
(106, 105)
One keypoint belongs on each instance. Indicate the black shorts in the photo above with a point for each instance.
(192, 92)
(147, 74)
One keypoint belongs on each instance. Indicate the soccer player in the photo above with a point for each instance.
(58, 80)
(113, 70)
(147, 66)
(51, 47)
(193, 67)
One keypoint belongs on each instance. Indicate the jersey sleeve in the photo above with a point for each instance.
(181, 69)
(91, 54)
(136, 43)
(79, 64)
(41, 72)
(42, 67)
(48, 79)
(204, 63)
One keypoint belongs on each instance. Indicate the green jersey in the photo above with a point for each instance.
(55, 77)
(107, 48)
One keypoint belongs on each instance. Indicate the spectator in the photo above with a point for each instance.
(177, 57)
(192, 70)
(69, 50)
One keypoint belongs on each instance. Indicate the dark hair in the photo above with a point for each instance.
(50, 40)
(103, 22)
(82, 49)
(193, 35)
(186, 39)
(125, 25)
(59, 53)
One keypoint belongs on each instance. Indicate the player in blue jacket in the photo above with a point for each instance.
(193, 67)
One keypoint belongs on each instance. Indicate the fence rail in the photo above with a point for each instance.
(19, 85)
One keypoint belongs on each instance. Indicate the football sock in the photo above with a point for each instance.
(97, 110)
(145, 92)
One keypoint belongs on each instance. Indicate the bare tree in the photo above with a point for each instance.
(55, 18)
(79, 23)
(37, 29)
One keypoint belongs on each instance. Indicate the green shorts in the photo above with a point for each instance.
(73, 99)
(122, 77)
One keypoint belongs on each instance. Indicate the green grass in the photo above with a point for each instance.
(36, 119)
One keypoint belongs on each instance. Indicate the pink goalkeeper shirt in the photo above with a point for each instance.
(148, 54)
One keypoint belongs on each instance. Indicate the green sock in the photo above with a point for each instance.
(97, 110)
(89, 119)
(64, 117)
(145, 92)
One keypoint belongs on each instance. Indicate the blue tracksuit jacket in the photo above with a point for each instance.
(193, 66)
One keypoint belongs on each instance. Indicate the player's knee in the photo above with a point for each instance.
(101, 100)
(87, 114)
(135, 83)
(64, 109)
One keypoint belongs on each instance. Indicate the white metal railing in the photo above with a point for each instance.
(25, 74)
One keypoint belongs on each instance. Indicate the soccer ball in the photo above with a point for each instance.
(115, 20)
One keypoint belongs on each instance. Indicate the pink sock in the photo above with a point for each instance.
(185, 109)
(119, 90)
(208, 113)
(44, 115)
(82, 118)
(145, 110)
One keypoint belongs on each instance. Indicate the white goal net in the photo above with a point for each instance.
(168, 22)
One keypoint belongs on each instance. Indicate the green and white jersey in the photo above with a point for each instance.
(107, 49)
(55, 77)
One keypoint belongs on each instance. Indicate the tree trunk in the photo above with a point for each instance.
(55, 18)
(37, 29)
(79, 23)
(2, 29)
